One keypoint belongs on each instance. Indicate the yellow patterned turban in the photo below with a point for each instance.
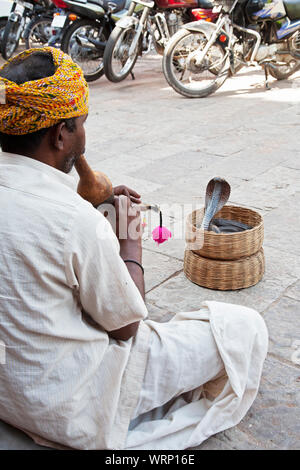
(38, 104)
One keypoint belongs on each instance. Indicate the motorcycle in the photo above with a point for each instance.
(148, 23)
(85, 39)
(40, 30)
(201, 56)
(20, 13)
(62, 17)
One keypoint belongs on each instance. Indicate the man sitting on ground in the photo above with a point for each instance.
(85, 368)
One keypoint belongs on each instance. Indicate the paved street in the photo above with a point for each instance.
(143, 134)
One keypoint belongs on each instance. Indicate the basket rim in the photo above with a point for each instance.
(222, 262)
(237, 234)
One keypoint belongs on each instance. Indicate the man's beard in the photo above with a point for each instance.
(69, 162)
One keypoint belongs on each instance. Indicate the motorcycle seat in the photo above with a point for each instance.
(119, 4)
(292, 9)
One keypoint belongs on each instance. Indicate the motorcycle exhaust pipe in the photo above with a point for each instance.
(273, 66)
(83, 41)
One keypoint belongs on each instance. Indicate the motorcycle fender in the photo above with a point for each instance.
(206, 28)
(201, 25)
(86, 10)
(127, 22)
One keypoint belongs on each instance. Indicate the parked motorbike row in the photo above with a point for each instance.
(87, 31)
(202, 43)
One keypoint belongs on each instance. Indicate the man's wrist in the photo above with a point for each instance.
(131, 249)
(134, 262)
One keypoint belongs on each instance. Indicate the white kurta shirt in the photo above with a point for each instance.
(64, 379)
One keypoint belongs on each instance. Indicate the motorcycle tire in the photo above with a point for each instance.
(6, 51)
(119, 34)
(3, 22)
(218, 74)
(36, 29)
(77, 54)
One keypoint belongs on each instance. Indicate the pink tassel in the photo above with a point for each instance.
(160, 234)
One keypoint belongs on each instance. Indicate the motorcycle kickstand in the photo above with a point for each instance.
(266, 77)
(132, 76)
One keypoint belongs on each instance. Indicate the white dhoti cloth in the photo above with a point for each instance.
(202, 376)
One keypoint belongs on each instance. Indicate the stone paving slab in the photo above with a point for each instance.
(292, 161)
(293, 291)
(283, 324)
(13, 439)
(187, 296)
(282, 228)
(160, 268)
(143, 134)
(274, 419)
(162, 171)
(269, 189)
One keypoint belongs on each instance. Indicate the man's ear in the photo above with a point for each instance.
(58, 136)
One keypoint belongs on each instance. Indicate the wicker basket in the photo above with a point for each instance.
(226, 246)
(224, 275)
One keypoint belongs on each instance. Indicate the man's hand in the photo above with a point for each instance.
(130, 193)
(128, 221)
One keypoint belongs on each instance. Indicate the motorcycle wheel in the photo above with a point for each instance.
(89, 58)
(184, 75)
(117, 63)
(2, 28)
(38, 32)
(9, 42)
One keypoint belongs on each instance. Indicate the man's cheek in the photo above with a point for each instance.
(83, 140)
